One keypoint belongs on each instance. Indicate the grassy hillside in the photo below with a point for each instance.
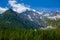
(53, 23)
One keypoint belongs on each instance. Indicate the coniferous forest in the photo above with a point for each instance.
(16, 34)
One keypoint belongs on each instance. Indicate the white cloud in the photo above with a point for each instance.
(18, 7)
(2, 10)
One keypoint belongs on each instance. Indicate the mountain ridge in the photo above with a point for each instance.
(21, 20)
(29, 19)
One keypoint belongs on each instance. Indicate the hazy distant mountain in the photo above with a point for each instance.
(52, 15)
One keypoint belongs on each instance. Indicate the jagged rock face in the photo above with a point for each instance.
(32, 17)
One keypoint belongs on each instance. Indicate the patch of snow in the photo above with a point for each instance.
(30, 18)
(3, 10)
(48, 27)
(47, 14)
(40, 13)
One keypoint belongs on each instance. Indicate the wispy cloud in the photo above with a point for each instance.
(17, 6)
(3, 10)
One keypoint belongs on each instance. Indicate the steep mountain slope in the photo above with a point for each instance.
(9, 19)
(32, 17)
(25, 20)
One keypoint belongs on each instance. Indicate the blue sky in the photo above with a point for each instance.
(36, 4)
